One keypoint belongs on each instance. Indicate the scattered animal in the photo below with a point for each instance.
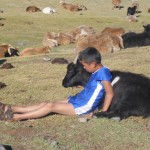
(116, 4)
(2, 61)
(5, 147)
(81, 30)
(149, 10)
(131, 91)
(6, 50)
(72, 7)
(104, 43)
(53, 39)
(2, 85)
(64, 38)
(1, 24)
(115, 31)
(33, 9)
(49, 39)
(48, 10)
(131, 10)
(132, 18)
(133, 39)
(60, 61)
(35, 51)
(7, 66)
(136, 3)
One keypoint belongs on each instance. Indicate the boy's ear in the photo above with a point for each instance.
(94, 64)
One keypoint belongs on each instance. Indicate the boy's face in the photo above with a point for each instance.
(90, 67)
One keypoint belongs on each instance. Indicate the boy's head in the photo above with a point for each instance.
(90, 55)
(90, 59)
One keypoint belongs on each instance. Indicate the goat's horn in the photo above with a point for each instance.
(75, 60)
(9, 51)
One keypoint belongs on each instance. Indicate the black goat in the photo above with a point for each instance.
(133, 39)
(131, 91)
(131, 10)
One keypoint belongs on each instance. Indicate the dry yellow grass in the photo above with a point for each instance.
(35, 80)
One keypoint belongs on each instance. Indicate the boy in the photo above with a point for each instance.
(85, 102)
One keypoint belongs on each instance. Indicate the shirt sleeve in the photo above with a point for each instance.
(104, 75)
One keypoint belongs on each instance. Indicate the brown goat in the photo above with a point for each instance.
(81, 30)
(105, 43)
(6, 50)
(116, 3)
(49, 39)
(35, 51)
(114, 31)
(33, 9)
(64, 38)
(72, 7)
(149, 10)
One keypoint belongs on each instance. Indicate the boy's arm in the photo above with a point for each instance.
(109, 95)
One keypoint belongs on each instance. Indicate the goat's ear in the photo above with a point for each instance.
(9, 51)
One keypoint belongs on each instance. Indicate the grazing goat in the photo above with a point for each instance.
(81, 30)
(132, 39)
(72, 7)
(49, 39)
(6, 50)
(131, 10)
(53, 39)
(104, 43)
(64, 38)
(33, 9)
(116, 4)
(114, 31)
(48, 10)
(35, 51)
(131, 91)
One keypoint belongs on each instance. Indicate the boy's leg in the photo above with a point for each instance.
(26, 109)
(56, 107)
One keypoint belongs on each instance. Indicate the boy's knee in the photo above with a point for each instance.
(49, 105)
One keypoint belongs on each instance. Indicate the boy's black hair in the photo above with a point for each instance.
(89, 55)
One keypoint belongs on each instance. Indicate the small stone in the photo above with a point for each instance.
(46, 58)
(54, 143)
(116, 118)
(95, 117)
(83, 120)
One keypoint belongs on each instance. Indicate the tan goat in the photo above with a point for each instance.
(105, 43)
(49, 39)
(81, 30)
(6, 50)
(72, 7)
(64, 38)
(35, 51)
(114, 31)
(116, 3)
(33, 9)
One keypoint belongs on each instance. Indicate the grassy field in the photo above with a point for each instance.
(34, 80)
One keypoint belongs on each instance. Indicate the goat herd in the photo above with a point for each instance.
(132, 91)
